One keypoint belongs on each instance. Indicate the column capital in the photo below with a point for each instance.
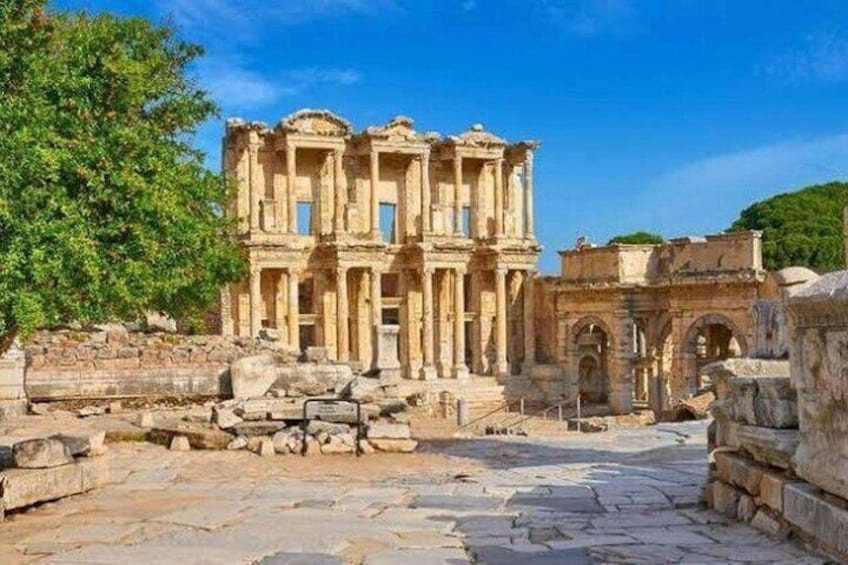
(428, 270)
(501, 270)
(461, 269)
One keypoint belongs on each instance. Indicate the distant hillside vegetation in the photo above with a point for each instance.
(802, 228)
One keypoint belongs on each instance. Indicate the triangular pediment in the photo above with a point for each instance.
(477, 136)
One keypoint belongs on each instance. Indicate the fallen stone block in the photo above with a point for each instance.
(254, 429)
(314, 427)
(746, 509)
(251, 377)
(225, 417)
(314, 354)
(769, 524)
(199, 436)
(365, 389)
(239, 443)
(365, 447)
(83, 446)
(180, 443)
(776, 405)
(145, 420)
(775, 447)
(25, 487)
(388, 431)
(336, 445)
(394, 445)
(41, 453)
(262, 446)
(87, 411)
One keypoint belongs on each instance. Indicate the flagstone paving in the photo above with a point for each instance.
(628, 496)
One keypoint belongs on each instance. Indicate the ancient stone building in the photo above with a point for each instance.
(349, 232)
(635, 323)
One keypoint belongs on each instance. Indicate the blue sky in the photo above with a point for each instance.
(669, 115)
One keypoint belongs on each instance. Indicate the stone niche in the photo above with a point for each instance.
(818, 318)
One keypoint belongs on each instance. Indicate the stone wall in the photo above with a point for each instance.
(66, 364)
(756, 474)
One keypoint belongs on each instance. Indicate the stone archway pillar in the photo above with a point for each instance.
(621, 373)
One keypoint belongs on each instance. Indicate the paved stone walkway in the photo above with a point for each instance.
(617, 497)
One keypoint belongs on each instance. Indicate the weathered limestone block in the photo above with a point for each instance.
(25, 487)
(766, 445)
(41, 453)
(721, 372)
(180, 443)
(725, 499)
(365, 389)
(776, 403)
(255, 429)
(198, 435)
(393, 445)
(743, 393)
(315, 354)
(818, 317)
(389, 431)
(12, 373)
(314, 427)
(83, 445)
(307, 379)
(771, 490)
(739, 471)
(819, 518)
(746, 509)
(224, 417)
(769, 524)
(251, 377)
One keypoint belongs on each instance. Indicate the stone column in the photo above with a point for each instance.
(342, 326)
(280, 313)
(457, 195)
(294, 310)
(501, 367)
(253, 169)
(425, 194)
(428, 371)
(341, 193)
(528, 195)
(375, 196)
(227, 322)
(376, 311)
(499, 198)
(255, 301)
(460, 369)
(529, 324)
(291, 176)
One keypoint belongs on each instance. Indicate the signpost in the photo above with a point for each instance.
(333, 410)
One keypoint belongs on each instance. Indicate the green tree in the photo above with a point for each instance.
(802, 228)
(638, 238)
(106, 209)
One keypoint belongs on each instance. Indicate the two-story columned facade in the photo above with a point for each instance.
(348, 231)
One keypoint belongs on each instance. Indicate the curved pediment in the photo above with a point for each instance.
(477, 136)
(315, 122)
(399, 129)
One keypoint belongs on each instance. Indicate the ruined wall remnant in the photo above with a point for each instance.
(818, 316)
(67, 364)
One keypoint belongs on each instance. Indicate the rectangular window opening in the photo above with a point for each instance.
(304, 218)
(466, 221)
(388, 222)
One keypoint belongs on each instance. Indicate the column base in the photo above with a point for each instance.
(460, 372)
(412, 370)
(501, 369)
(443, 369)
(428, 373)
(390, 376)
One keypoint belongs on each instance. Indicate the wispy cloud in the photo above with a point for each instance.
(241, 21)
(238, 88)
(725, 184)
(820, 57)
(591, 18)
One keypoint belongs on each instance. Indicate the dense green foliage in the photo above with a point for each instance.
(106, 210)
(802, 228)
(638, 238)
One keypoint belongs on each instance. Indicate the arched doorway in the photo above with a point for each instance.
(590, 353)
(711, 338)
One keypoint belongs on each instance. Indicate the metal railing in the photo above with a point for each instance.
(522, 417)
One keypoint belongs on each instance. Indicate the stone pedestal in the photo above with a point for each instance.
(12, 374)
(387, 353)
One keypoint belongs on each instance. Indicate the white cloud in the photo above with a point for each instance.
(236, 87)
(699, 192)
(821, 57)
(590, 18)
